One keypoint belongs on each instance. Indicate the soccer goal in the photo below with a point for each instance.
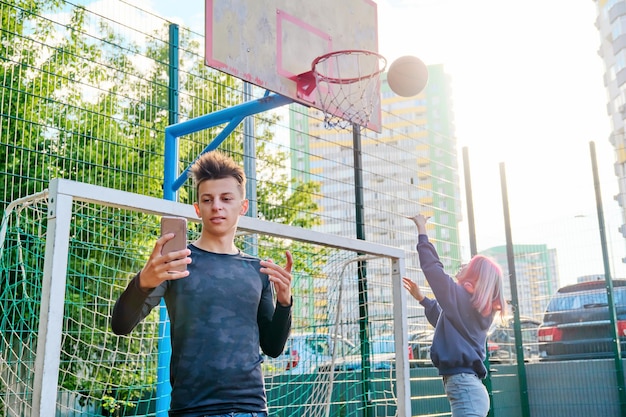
(68, 252)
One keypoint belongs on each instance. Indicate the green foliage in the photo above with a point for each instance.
(115, 407)
(21, 125)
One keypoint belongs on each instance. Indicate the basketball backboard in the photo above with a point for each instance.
(270, 43)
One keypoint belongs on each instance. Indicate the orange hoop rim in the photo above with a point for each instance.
(335, 80)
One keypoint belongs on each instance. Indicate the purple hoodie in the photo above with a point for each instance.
(460, 330)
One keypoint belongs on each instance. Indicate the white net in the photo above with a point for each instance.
(348, 86)
(345, 319)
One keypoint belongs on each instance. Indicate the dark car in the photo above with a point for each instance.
(577, 325)
(501, 339)
(500, 342)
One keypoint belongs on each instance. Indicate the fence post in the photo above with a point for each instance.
(619, 365)
(521, 368)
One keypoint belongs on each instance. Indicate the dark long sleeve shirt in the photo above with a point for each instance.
(220, 315)
(460, 330)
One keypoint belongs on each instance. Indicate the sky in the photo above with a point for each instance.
(528, 94)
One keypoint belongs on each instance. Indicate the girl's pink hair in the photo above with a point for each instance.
(486, 277)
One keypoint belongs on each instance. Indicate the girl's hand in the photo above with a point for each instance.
(413, 289)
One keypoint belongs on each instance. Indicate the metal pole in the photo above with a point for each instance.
(362, 270)
(521, 369)
(617, 349)
(249, 166)
(50, 333)
(470, 202)
(473, 251)
(163, 388)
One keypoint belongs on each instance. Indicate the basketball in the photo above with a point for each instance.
(407, 76)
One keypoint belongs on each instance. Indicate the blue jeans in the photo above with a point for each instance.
(259, 414)
(467, 395)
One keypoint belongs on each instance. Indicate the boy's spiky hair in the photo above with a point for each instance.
(217, 165)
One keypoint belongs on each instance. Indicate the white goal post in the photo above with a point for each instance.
(61, 196)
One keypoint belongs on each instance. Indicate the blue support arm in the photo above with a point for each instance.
(232, 115)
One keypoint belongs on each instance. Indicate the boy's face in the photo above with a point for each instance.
(220, 203)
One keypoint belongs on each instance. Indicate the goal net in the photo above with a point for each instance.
(66, 254)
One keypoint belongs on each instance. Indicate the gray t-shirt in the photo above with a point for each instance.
(220, 315)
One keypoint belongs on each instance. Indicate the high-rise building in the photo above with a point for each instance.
(611, 23)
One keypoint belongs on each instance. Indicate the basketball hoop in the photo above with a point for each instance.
(347, 84)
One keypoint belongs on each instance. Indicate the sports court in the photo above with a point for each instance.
(103, 113)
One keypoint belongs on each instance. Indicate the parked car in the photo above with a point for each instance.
(500, 342)
(577, 325)
(501, 339)
(382, 357)
(420, 345)
(305, 352)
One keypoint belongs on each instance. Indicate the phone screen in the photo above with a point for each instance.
(178, 226)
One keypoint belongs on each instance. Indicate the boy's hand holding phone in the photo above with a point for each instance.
(170, 255)
(178, 226)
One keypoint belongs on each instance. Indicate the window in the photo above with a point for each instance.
(578, 300)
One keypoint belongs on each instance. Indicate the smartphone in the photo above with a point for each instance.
(178, 226)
